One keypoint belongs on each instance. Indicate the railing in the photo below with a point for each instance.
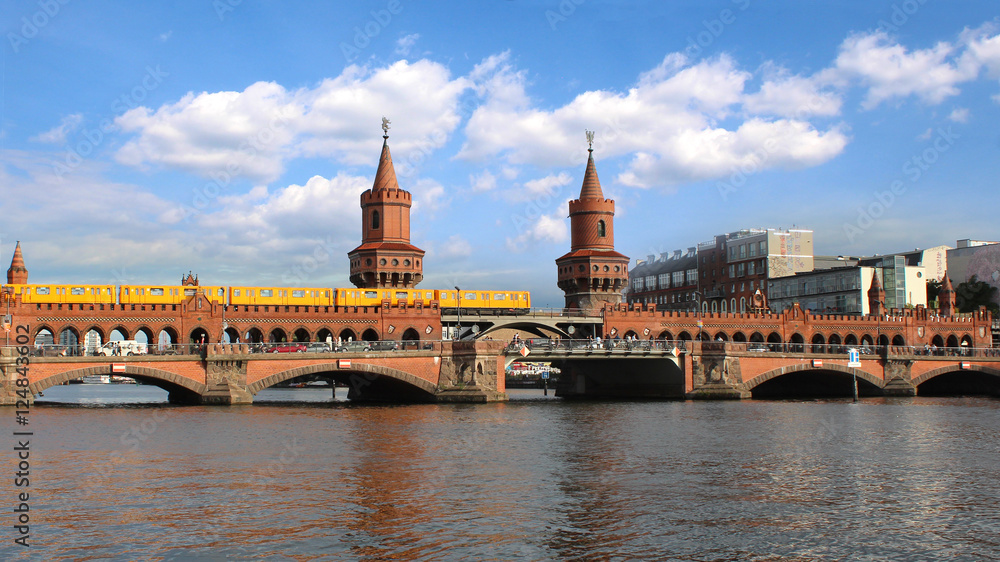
(472, 312)
(589, 345)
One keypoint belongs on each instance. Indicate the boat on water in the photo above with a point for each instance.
(95, 379)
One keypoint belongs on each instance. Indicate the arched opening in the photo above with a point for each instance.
(774, 342)
(118, 334)
(143, 335)
(43, 340)
(253, 335)
(961, 383)
(797, 343)
(851, 339)
(166, 339)
(631, 335)
(966, 341)
(704, 308)
(739, 337)
(369, 335)
(665, 335)
(715, 307)
(277, 335)
(732, 304)
(721, 336)
(938, 341)
(883, 340)
(835, 344)
(757, 337)
(348, 334)
(324, 335)
(818, 343)
(723, 307)
(952, 341)
(231, 335)
(69, 341)
(601, 229)
(301, 335)
(92, 340)
(867, 341)
(199, 336)
(814, 383)
(411, 336)
(898, 340)
(743, 304)
(375, 220)
(684, 336)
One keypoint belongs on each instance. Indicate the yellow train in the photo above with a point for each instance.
(449, 301)
(167, 294)
(82, 294)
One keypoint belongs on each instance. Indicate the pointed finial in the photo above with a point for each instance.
(590, 140)
(385, 127)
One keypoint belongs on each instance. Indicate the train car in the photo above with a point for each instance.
(375, 297)
(82, 294)
(281, 296)
(493, 302)
(167, 294)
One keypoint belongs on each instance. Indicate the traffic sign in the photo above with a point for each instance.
(853, 359)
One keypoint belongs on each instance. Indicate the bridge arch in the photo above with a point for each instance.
(534, 328)
(169, 381)
(377, 370)
(122, 331)
(917, 381)
(146, 331)
(348, 334)
(774, 373)
(44, 334)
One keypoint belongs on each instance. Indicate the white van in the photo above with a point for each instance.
(123, 347)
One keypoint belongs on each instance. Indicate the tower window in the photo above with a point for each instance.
(375, 221)
(601, 229)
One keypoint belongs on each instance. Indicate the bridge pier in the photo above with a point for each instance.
(8, 370)
(225, 384)
(714, 375)
(899, 378)
(473, 371)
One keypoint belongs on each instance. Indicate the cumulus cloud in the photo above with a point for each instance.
(483, 182)
(405, 44)
(57, 135)
(253, 133)
(960, 115)
(547, 228)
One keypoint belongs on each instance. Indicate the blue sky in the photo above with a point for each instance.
(139, 141)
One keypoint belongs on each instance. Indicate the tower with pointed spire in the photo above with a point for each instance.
(385, 257)
(592, 274)
(17, 274)
(876, 295)
(947, 298)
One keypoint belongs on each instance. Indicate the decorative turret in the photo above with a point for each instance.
(189, 280)
(385, 257)
(876, 296)
(947, 297)
(592, 274)
(17, 274)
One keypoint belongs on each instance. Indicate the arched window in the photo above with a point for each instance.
(375, 223)
(601, 229)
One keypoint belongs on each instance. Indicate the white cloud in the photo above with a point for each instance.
(549, 229)
(793, 96)
(428, 195)
(405, 44)
(960, 115)
(57, 135)
(254, 132)
(668, 123)
(455, 247)
(483, 182)
(542, 187)
(890, 71)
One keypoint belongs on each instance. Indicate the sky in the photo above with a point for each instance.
(232, 138)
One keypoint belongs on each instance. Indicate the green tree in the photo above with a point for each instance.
(975, 293)
(933, 289)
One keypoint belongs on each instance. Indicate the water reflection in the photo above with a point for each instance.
(535, 479)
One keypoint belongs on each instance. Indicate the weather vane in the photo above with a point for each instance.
(590, 139)
(385, 127)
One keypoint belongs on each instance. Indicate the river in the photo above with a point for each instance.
(298, 476)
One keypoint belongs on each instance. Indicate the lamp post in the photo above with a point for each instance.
(698, 312)
(458, 292)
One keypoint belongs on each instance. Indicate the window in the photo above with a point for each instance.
(298, 294)
(42, 291)
(600, 229)
(370, 294)
(401, 295)
(732, 270)
(267, 292)
(637, 283)
(156, 292)
(499, 296)
(76, 291)
(236, 292)
(375, 221)
(743, 251)
(664, 279)
(740, 270)
(752, 249)
(678, 278)
(751, 266)
(692, 276)
(763, 248)
(651, 282)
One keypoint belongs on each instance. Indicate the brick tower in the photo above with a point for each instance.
(592, 273)
(385, 257)
(948, 302)
(17, 274)
(876, 296)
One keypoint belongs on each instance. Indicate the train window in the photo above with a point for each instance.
(371, 294)
(221, 292)
(250, 294)
(430, 295)
(267, 292)
(42, 291)
(76, 291)
(402, 295)
(469, 296)
(236, 292)
(444, 294)
(499, 296)
(157, 292)
(188, 292)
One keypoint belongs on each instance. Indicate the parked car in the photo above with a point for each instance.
(317, 347)
(291, 347)
(382, 345)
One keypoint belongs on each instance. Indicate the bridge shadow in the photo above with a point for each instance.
(365, 383)
(814, 383)
(949, 381)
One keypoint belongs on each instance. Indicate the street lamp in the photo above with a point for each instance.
(459, 324)
(698, 313)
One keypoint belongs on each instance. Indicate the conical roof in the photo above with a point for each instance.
(591, 184)
(876, 286)
(946, 284)
(385, 177)
(17, 272)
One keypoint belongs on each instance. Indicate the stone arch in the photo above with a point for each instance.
(797, 343)
(348, 334)
(834, 339)
(69, 339)
(850, 339)
(122, 332)
(757, 337)
(277, 335)
(898, 340)
(301, 335)
(630, 334)
(739, 337)
(721, 336)
(232, 335)
(370, 335)
(254, 335)
(324, 334)
(818, 343)
(145, 331)
(170, 339)
(774, 373)
(199, 335)
(665, 335)
(410, 334)
(917, 381)
(49, 334)
(883, 340)
(377, 370)
(533, 328)
(134, 371)
(966, 341)
(952, 341)
(684, 336)
(937, 340)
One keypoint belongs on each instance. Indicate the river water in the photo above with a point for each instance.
(297, 476)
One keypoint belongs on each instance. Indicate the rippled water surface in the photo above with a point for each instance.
(300, 478)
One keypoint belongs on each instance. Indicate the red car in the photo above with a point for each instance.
(287, 348)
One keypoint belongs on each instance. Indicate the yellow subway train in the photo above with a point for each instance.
(75, 294)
